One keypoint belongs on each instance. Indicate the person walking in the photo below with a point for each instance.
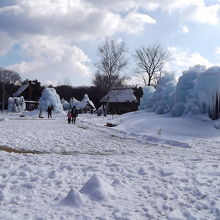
(69, 116)
(49, 111)
(74, 113)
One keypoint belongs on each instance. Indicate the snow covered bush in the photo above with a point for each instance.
(16, 104)
(50, 97)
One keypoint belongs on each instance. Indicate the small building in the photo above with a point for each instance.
(28, 91)
(120, 100)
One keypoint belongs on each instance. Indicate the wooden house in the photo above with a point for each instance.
(120, 100)
(26, 91)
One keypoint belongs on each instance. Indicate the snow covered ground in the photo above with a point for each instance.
(147, 167)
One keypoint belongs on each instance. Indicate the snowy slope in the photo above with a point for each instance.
(90, 171)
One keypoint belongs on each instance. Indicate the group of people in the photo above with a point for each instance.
(72, 115)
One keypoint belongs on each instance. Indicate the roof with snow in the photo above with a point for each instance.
(120, 95)
(21, 89)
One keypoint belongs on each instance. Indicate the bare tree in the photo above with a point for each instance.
(7, 77)
(150, 62)
(112, 63)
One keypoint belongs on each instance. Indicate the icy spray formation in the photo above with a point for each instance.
(50, 97)
(16, 104)
(193, 94)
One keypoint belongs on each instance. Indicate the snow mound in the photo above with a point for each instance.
(117, 183)
(73, 198)
(163, 172)
(96, 189)
(176, 215)
(50, 97)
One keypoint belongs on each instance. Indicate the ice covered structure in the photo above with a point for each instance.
(74, 102)
(159, 100)
(163, 96)
(70, 104)
(50, 97)
(146, 101)
(185, 101)
(65, 104)
(16, 104)
(207, 86)
(194, 93)
(86, 104)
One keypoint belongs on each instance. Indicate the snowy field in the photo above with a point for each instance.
(148, 167)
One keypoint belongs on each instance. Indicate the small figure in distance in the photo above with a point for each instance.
(69, 116)
(49, 111)
(74, 114)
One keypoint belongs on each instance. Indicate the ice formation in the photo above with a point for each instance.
(50, 97)
(85, 102)
(193, 94)
(16, 104)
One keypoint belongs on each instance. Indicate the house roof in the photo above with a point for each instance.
(120, 95)
(20, 90)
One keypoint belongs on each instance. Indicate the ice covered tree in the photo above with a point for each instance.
(150, 63)
(7, 77)
(111, 64)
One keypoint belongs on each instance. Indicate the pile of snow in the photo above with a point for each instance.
(73, 198)
(193, 94)
(96, 189)
(50, 97)
(16, 104)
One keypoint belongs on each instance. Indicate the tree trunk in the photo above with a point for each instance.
(149, 81)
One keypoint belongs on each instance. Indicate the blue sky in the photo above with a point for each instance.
(55, 41)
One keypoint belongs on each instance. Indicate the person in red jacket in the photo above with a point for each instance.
(69, 116)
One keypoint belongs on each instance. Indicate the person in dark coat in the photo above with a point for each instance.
(49, 111)
(74, 113)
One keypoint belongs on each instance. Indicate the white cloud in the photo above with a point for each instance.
(218, 50)
(202, 14)
(184, 29)
(11, 10)
(134, 22)
(53, 59)
(184, 59)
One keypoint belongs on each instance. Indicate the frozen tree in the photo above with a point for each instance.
(112, 62)
(7, 77)
(150, 62)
